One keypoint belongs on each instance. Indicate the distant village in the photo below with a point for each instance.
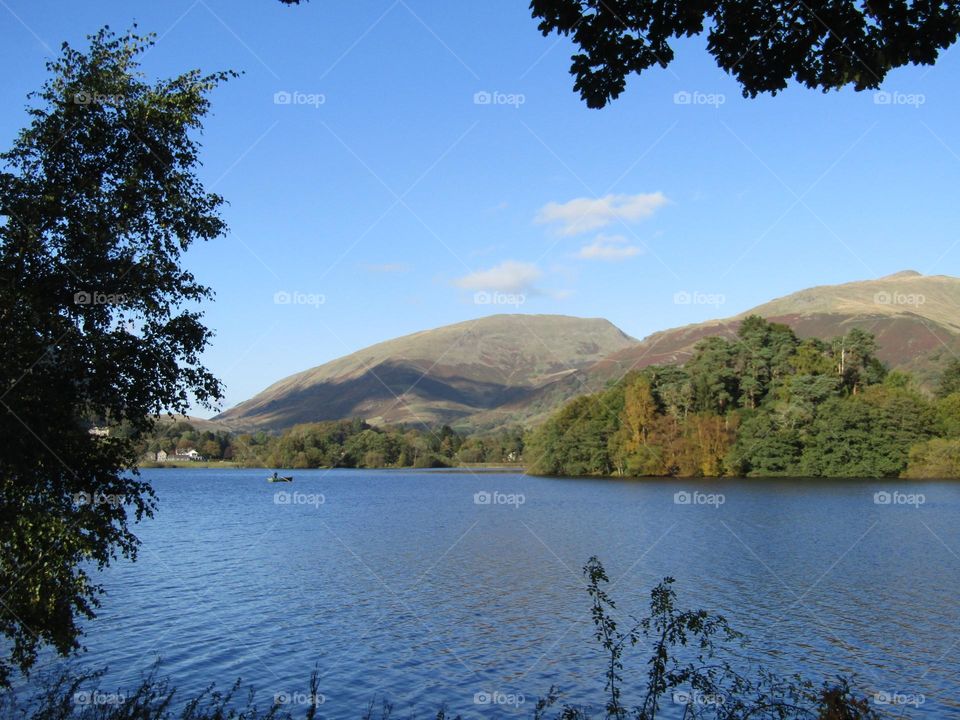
(184, 454)
(179, 454)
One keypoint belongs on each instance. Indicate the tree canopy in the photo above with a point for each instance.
(98, 200)
(824, 44)
(764, 403)
(950, 380)
(337, 443)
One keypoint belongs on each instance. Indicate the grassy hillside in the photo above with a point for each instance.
(915, 318)
(442, 375)
(505, 369)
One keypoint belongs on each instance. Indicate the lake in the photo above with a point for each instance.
(430, 587)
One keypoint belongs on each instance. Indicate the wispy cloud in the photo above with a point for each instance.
(582, 215)
(609, 247)
(509, 276)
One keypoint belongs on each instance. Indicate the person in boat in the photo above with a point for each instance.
(275, 475)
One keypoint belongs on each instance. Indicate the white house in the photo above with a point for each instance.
(189, 454)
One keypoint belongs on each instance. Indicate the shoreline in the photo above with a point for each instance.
(494, 468)
(230, 465)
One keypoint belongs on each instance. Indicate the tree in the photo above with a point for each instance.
(900, 379)
(798, 396)
(716, 383)
(938, 458)
(868, 435)
(689, 654)
(764, 449)
(575, 441)
(211, 449)
(948, 410)
(639, 413)
(631, 449)
(950, 379)
(708, 438)
(672, 388)
(812, 357)
(825, 44)
(856, 361)
(99, 200)
(763, 352)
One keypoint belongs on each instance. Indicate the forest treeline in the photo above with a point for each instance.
(342, 443)
(764, 403)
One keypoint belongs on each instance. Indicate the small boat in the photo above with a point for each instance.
(280, 478)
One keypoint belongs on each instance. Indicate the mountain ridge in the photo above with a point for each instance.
(508, 368)
(438, 375)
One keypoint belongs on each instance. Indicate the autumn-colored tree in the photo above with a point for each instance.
(709, 437)
(639, 413)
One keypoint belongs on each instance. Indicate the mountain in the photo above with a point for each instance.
(444, 375)
(915, 318)
(504, 369)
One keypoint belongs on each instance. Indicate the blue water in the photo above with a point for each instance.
(398, 585)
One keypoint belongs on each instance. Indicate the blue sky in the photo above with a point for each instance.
(433, 165)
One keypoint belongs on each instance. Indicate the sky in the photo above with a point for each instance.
(397, 165)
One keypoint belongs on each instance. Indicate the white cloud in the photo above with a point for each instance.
(509, 276)
(609, 247)
(582, 215)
